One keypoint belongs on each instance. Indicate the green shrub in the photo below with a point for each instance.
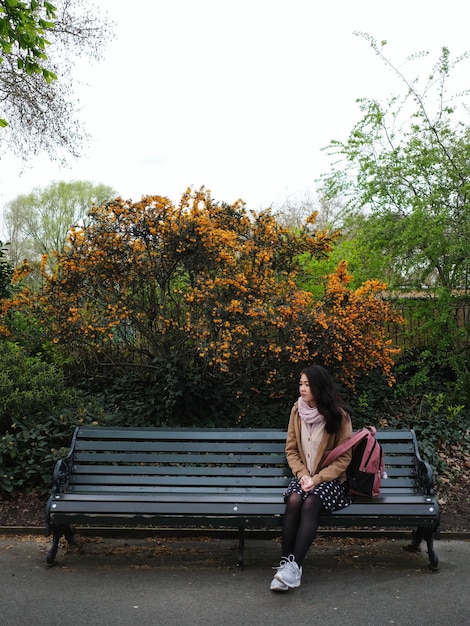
(29, 387)
(31, 447)
(426, 400)
(30, 392)
(169, 396)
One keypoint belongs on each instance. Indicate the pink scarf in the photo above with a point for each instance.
(310, 415)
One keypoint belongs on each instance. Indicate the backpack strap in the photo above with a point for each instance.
(349, 443)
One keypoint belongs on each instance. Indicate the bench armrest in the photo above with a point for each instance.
(424, 471)
(425, 477)
(60, 481)
(63, 468)
(60, 478)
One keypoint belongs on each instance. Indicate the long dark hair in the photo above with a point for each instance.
(329, 401)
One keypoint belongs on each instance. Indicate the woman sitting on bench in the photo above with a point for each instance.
(318, 423)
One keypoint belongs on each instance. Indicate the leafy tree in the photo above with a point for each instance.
(351, 243)
(39, 45)
(211, 288)
(6, 273)
(364, 261)
(293, 211)
(404, 174)
(38, 223)
(406, 168)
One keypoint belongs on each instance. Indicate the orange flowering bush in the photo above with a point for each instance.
(351, 325)
(210, 286)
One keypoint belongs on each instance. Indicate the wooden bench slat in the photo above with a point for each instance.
(177, 470)
(242, 507)
(206, 458)
(226, 502)
(394, 435)
(277, 487)
(192, 481)
(185, 434)
(399, 472)
(100, 473)
(399, 459)
(170, 480)
(192, 487)
(390, 448)
(188, 459)
(182, 446)
(260, 493)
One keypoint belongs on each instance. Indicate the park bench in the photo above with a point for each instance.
(220, 478)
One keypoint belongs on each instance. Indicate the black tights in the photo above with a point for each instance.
(299, 525)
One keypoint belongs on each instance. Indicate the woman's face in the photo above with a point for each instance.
(305, 391)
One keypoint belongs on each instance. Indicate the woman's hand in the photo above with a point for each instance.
(307, 484)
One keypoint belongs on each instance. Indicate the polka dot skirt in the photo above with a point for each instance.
(332, 493)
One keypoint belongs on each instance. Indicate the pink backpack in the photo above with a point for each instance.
(367, 467)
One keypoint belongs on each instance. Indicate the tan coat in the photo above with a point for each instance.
(295, 454)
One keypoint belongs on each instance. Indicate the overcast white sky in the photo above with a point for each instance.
(236, 95)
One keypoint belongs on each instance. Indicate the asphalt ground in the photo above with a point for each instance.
(188, 581)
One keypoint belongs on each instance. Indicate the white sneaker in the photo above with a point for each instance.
(277, 585)
(290, 574)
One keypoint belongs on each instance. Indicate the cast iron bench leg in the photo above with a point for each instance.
(241, 546)
(58, 531)
(428, 535)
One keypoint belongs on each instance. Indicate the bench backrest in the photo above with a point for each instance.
(126, 459)
(123, 460)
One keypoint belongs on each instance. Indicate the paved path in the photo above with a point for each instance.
(179, 582)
